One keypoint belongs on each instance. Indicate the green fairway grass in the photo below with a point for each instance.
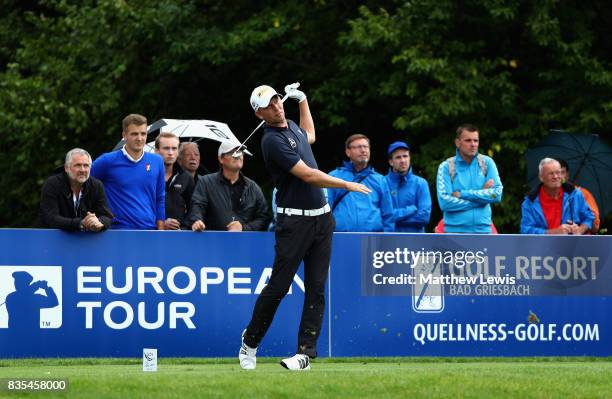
(329, 378)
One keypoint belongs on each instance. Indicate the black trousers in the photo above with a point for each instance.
(307, 238)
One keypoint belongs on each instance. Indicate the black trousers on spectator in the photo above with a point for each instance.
(307, 238)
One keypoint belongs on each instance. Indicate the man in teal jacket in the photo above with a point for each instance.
(555, 207)
(373, 212)
(468, 184)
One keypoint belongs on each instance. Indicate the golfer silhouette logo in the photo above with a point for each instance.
(24, 304)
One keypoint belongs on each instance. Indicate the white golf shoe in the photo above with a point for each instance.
(247, 358)
(298, 362)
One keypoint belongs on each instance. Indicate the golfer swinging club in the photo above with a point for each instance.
(304, 225)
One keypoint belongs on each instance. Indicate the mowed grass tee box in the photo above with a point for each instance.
(329, 378)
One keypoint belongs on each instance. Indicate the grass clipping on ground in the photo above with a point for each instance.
(329, 378)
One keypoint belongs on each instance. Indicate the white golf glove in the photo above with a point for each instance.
(293, 92)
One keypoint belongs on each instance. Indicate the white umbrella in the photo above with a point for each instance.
(191, 130)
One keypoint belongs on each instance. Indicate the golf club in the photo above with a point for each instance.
(238, 152)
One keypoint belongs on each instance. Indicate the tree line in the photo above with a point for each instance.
(409, 70)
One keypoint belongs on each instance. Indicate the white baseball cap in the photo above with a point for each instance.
(227, 146)
(261, 96)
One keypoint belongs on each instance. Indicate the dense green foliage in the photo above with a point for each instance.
(329, 378)
(413, 70)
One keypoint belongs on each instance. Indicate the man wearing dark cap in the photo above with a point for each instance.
(409, 192)
(304, 224)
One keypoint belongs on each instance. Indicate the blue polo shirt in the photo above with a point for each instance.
(135, 189)
(282, 149)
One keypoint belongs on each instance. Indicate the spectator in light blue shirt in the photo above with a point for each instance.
(468, 183)
(409, 192)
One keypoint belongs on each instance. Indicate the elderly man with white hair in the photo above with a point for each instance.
(555, 207)
(189, 160)
(73, 200)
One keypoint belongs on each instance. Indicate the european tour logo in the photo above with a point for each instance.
(30, 297)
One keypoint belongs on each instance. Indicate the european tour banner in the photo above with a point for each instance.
(191, 294)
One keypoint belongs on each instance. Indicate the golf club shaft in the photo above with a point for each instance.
(253, 132)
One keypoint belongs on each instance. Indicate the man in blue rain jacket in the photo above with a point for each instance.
(555, 207)
(373, 212)
(409, 192)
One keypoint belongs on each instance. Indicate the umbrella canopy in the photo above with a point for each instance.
(189, 130)
(589, 160)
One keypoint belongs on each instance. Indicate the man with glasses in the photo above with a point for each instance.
(355, 212)
(555, 207)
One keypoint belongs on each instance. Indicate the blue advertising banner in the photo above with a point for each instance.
(184, 293)
(191, 294)
(471, 295)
